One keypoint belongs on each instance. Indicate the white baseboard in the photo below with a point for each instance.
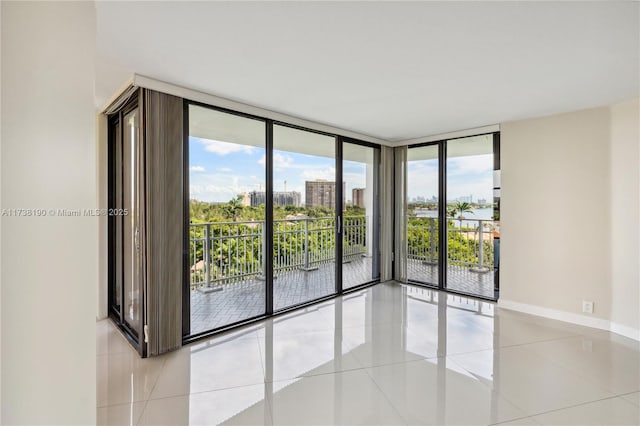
(572, 318)
(626, 331)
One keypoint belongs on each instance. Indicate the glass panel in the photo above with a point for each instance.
(116, 285)
(470, 212)
(359, 251)
(227, 212)
(304, 237)
(130, 179)
(422, 214)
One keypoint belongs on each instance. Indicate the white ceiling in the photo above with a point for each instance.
(392, 70)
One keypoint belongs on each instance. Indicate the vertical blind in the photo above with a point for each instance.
(386, 213)
(400, 192)
(161, 210)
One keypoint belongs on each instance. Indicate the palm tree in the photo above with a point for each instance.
(461, 207)
(234, 207)
(451, 211)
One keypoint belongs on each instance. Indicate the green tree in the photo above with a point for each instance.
(234, 208)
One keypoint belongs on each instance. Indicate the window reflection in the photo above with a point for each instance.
(230, 378)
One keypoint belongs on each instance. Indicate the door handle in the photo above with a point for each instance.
(338, 224)
(136, 238)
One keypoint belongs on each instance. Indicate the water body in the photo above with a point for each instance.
(476, 214)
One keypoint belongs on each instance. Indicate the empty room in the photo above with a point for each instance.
(320, 213)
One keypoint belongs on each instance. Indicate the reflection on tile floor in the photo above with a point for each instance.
(389, 354)
(246, 299)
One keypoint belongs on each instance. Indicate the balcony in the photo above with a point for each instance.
(226, 263)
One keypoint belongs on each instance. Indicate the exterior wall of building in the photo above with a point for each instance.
(357, 197)
(280, 198)
(322, 193)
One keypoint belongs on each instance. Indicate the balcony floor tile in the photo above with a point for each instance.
(246, 299)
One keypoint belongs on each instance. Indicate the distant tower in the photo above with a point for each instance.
(285, 186)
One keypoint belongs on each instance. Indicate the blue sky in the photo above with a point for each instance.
(220, 171)
(471, 175)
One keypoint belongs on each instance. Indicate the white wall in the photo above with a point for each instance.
(568, 183)
(49, 263)
(0, 217)
(625, 216)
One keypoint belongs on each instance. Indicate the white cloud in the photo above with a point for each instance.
(220, 187)
(328, 173)
(279, 161)
(470, 165)
(197, 169)
(355, 180)
(224, 148)
(225, 170)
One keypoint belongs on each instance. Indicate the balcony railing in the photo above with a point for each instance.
(227, 252)
(233, 252)
(469, 242)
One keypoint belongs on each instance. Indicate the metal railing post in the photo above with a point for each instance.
(206, 258)
(262, 252)
(480, 267)
(306, 266)
(432, 238)
(306, 243)
(207, 273)
(481, 248)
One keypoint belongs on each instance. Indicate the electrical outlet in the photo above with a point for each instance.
(587, 307)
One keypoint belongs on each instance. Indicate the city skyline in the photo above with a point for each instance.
(220, 171)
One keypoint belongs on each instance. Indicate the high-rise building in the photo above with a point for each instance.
(280, 198)
(286, 198)
(321, 193)
(357, 197)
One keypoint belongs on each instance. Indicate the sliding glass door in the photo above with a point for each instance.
(360, 214)
(451, 232)
(470, 227)
(126, 293)
(305, 195)
(132, 291)
(279, 216)
(423, 260)
(227, 184)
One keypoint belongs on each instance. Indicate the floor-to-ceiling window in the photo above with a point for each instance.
(452, 215)
(227, 184)
(360, 215)
(305, 193)
(423, 214)
(279, 216)
(470, 224)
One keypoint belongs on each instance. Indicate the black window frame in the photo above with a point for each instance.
(442, 216)
(270, 312)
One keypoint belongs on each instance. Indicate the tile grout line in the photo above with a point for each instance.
(580, 404)
(512, 420)
(406, 422)
(264, 376)
(200, 392)
(144, 409)
(564, 369)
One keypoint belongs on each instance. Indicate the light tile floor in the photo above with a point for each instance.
(389, 354)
